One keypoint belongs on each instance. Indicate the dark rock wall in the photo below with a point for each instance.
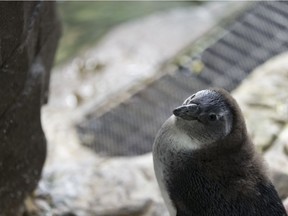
(29, 33)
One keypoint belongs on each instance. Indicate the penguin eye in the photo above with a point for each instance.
(212, 117)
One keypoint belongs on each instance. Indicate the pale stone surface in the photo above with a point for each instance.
(263, 97)
(95, 186)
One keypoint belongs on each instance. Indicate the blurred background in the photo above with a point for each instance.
(121, 68)
(85, 23)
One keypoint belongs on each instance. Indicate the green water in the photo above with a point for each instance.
(84, 23)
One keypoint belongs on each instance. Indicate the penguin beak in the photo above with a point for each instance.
(187, 112)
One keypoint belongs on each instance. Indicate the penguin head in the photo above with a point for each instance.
(205, 116)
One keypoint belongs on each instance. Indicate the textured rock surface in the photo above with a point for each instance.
(101, 187)
(263, 97)
(28, 41)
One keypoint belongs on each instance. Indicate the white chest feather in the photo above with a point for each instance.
(169, 139)
(158, 168)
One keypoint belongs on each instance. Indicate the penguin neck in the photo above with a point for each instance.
(182, 141)
(197, 138)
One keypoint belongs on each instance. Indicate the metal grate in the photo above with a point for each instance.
(129, 129)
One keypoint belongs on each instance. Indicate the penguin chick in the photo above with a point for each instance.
(206, 165)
